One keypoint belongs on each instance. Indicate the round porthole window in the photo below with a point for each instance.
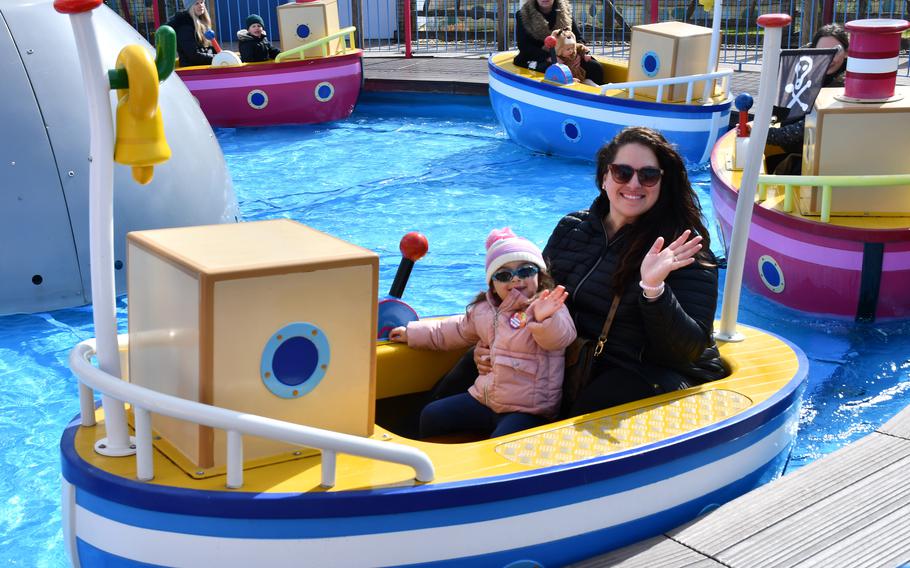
(650, 63)
(303, 31)
(324, 92)
(771, 274)
(295, 360)
(516, 114)
(257, 99)
(571, 131)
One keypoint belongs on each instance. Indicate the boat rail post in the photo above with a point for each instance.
(717, 14)
(745, 200)
(101, 216)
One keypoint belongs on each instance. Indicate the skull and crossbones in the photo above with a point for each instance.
(800, 82)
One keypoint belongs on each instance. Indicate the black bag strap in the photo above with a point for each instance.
(603, 335)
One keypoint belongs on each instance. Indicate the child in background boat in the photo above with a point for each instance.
(573, 55)
(254, 45)
(524, 321)
(190, 25)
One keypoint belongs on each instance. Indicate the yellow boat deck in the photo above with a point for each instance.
(806, 198)
(761, 365)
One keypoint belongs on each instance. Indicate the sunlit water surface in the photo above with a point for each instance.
(445, 169)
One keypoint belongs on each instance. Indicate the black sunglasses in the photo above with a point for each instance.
(647, 176)
(506, 275)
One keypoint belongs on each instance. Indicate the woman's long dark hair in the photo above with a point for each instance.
(677, 208)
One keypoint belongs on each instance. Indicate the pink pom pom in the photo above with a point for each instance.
(498, 235)
(549, 42)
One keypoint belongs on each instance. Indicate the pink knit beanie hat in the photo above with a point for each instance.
(503, 247)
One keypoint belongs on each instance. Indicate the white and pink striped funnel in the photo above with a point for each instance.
(872, 59)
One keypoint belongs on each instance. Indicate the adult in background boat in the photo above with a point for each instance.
(789, 136)
(190, 25)
(254, 45)
(536, 20)
(642, 240)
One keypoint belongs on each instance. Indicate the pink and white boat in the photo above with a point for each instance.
(304, 91)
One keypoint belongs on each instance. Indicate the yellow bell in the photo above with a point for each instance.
(140, 138)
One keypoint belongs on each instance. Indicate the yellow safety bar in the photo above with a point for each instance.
(324, 43)
(826, 183)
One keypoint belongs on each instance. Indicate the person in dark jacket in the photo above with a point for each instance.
(254, 45)
(536, 20)
(789, 136)
(642, 239)
(190, 25)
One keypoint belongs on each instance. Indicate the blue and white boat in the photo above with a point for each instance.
(656, 87)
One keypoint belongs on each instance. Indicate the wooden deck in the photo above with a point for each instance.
(850, 508)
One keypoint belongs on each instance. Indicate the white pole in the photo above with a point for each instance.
(715, 48)
(101, 227)
(770, 62)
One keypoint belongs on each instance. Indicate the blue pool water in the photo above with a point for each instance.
(447, 170)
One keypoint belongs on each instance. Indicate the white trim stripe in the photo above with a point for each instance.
(665, 124)
(857, 65)
(438, 543)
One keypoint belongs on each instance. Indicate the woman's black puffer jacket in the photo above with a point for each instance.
(674, 332)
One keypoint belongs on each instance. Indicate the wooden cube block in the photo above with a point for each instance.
(848, 138)
(301, 23)
(271, 318)
(669, 49)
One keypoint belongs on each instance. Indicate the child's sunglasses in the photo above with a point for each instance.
(647, 176)
(506, 275)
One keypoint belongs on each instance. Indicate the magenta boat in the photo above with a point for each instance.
(290, 92)
(855, 266)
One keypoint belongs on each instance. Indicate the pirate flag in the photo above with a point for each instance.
(802, 72)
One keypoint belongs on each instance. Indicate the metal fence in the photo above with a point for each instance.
(486, 26)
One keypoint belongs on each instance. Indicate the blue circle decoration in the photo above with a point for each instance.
(571, 131)
(771, 274)
(324, 92)
(650, 63)
(257, 99)
(516, 114)
(303, 31)
(294, 360)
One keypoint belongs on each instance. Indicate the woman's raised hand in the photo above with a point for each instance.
(660, 260)
(546, 304)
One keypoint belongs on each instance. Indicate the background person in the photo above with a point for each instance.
(254, 45)
(527, 325)
(573, 55)
(537, 19)
(190, 25)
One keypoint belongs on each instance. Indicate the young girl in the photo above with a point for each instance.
(524, 321)
(573, 55)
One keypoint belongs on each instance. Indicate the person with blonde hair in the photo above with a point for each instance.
(191, 25)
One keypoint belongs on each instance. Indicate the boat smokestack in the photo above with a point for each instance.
(872, 59)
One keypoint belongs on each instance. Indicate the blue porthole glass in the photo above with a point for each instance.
(257, 99)
(294, 360)
(303, 31)
(650, 63)
(516, 114)
(571, 131)
(324, 92)
(771, 274)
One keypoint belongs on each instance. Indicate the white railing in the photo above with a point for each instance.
(237, 424)
(689, 80)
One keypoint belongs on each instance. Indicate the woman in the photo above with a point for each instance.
(193, 48)
(789, 136)
(642, 240)
(536, 20)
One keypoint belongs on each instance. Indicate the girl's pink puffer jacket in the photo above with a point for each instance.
(528, 362)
